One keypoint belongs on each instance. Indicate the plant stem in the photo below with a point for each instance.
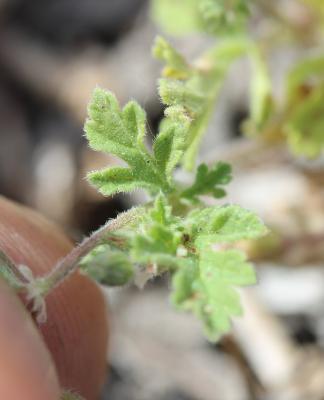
(69, 264)
(10, 272)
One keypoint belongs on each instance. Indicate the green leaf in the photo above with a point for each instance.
(158, 245)
(121, 133)
(170, 144)
(224, 224)
(184, 285)
(161, 212)
(158, 236)
(209, 181)
(117, 179)
(206, 287)
(204, 281)
(220, 273)
(228, 267)
(107, 127)
(107, 266)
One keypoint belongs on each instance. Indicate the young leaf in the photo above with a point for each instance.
(107, 266)
(206, 287)
(209, 181)
(157, 246)
(161, 212)
(159, 236)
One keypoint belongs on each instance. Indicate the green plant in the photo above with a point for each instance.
(175, 231)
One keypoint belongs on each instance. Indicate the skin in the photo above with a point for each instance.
(69, 350)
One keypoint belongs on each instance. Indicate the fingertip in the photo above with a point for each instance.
(26, 368)
(76, 331)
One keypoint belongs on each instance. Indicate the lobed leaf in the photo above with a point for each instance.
(122, 133)
(209, 181)
(206, 287)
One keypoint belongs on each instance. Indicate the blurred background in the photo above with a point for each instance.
(52, 55)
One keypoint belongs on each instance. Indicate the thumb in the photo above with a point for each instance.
(76, 329)
(26, 368)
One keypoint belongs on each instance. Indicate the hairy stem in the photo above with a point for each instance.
(10, 272)
(70, 263)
